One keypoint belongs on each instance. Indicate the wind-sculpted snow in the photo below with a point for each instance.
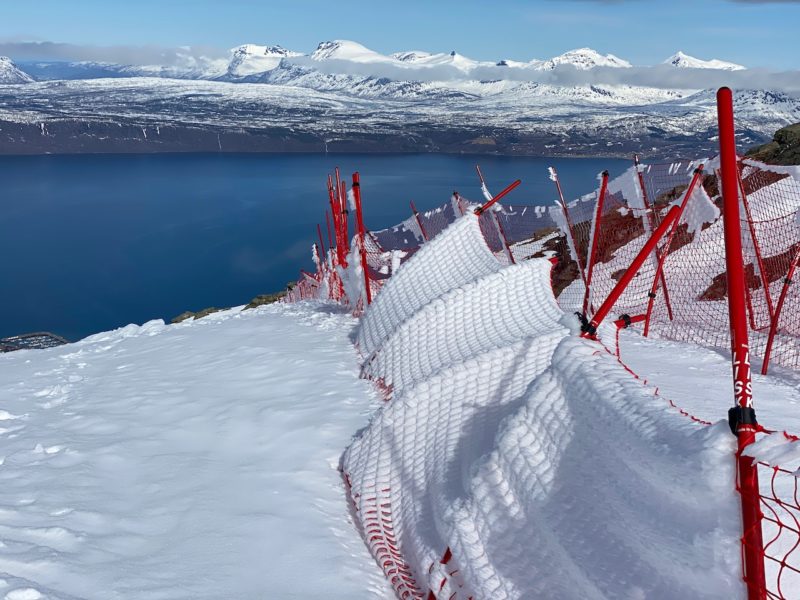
(516, 460)
(596, 489)
(446, 332)
(432, 274)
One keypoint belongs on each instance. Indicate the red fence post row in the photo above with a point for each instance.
(742, 415)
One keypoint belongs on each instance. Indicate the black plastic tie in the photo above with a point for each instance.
(788, 281)
(741, 415)
(651, 295)
(626, 319)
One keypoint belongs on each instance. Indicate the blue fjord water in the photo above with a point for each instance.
(93, 242)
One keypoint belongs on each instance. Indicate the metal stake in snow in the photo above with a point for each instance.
(663, 255)
(773, 328)
(419, 221)
(568, 219)
(742, 416)
(361, 235)
(498, 226)
(650, 222)
(598, 215)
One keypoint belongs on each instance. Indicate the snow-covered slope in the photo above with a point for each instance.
(684, 61)
(347, 50)
(197, 461)
(11, 74)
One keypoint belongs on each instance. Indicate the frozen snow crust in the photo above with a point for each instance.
(516, 460)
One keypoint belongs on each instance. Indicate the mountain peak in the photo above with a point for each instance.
(249, 59)
(584, 59)
(411, 56)
(684, 61)
(11, 74)
(347, 50)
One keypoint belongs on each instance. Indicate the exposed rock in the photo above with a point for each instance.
(196, 315)
(784, 149)
(263, 299)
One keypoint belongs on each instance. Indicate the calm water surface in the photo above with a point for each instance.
(89, 243)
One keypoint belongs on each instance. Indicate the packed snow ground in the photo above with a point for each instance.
(700, 381)
(193, 461)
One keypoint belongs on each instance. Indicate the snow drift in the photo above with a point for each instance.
(515, 460)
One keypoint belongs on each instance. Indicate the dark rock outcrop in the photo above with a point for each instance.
(784, 149)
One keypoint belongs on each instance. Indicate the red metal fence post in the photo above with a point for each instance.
(497, 225)
(773, 327)
(481, 209)
(598, 216)
(742, 414)
(321, 243)
(663, 255)
(361, 234)
(565, 210)
(651, 220)
(756, 247)
(419, 221)
(590, 328)
(336, 219)
(328, 222)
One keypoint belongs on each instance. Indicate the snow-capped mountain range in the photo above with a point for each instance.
(251, 59)
(345, 96)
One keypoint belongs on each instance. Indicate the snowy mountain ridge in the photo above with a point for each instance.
(684, 61)
(250, 59)
(583, 59)
(11, 74)
(579, 103)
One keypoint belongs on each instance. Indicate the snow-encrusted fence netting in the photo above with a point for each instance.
(515, 460)
(680, 292)
(464, 483)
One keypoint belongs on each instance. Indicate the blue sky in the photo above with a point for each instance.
(754, 32)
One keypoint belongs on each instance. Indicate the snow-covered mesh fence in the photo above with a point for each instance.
(686, 299)
(780, 509)
(421, 341)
